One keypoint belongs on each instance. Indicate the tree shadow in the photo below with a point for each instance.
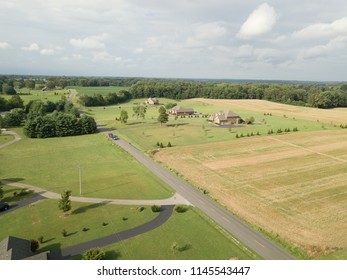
(112, 255)
(12, 180)
(84, 209)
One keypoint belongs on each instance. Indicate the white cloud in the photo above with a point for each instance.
(91, 42)
(105, 56)
(32, 47)
(4, 45)
(138, 50)
(51, 51)
(319, 30)
(259, 22)
(205, 33)
(333, 45)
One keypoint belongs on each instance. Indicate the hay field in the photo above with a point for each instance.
(294, 185)
(336, 116)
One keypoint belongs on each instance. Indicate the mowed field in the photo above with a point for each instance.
(335, 116)
(293, 185)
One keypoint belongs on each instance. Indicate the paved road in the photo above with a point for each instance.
(69, 252)
(252, 239)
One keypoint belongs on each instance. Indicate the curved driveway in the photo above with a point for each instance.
(16, 138)
(252, 239)
(69, 252)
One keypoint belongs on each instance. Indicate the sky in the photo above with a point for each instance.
(216, 39)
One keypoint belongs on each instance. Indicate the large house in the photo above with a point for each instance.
(152, 101)
(14, 248)
(180, 111)
(225, 117)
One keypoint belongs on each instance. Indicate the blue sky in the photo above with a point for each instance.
(287, 39)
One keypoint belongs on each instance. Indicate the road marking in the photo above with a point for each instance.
(259, 243)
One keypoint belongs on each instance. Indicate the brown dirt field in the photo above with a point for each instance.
(294, 185)
(336, 116)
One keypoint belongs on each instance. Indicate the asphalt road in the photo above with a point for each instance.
(69, 252)
(249, 237)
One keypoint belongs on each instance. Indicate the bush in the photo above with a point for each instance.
(93, 254)
(181, 209)
(140, 208)
(64, 232)
(104, 224)
(169, 145)
(34, 245)
(156, 208)
(85, 229)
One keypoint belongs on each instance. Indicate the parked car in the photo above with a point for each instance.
(115, 137)
(4, 206)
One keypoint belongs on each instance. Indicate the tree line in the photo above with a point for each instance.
(104, 100)
(313, 95)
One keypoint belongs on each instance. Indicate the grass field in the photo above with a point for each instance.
(45, 219)
(107, 171)
(52, 95)
(293, 185)
(145, 133)
(203, 241)
(4, 138)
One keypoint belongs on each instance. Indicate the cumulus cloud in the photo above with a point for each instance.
(91, 42)
(4, 45)
(51, 51)
(259, 22)
(319, 30)
(333, 45)
(31, 48)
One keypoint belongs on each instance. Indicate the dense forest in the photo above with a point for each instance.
(313, 94)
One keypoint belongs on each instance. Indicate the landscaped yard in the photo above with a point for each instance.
(201, 240)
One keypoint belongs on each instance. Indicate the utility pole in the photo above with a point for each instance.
(80, 175)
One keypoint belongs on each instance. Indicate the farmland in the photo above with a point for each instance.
(292, 185)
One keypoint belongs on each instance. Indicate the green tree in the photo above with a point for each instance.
(14, 118)
(65, 202)
(88, 125)
(93, 254)
(30, 84)
(123, 116)
(139, 111)
(163, 116)
(15, 102)
(8, 89)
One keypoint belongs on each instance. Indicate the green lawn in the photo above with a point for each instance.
(196, 237)
(52, 95)
(45, 219)
(107, 171)
(4, 138)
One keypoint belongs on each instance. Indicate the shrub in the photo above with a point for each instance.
(181, 209)
(104, 224)
(34, 245)
(85, 229)
(64, 232)
(40, 239)
(237, 136)
(156, 208)
(140, 208)
(161, 145)
(169, 145)
(93, 254)
(124, 218)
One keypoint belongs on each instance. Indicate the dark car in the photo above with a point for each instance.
(4, 206)
(115, 137)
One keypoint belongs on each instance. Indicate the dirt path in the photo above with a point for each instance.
(16, 138)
